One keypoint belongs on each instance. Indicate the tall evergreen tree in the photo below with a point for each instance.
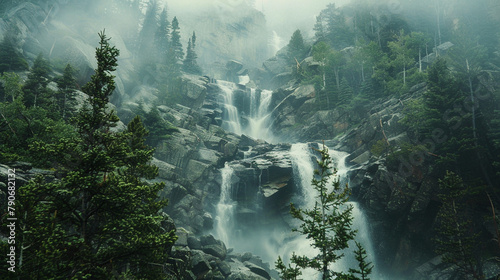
(456, 239)
(296, 48)
(37, 82)
(162, 36)
(345, 94)
(190, 65)
(67, 86)
(146, 50)
(100, 220)
(175, 38)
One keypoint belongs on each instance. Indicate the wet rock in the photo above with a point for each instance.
(182, 237)
(242, 272)
(216, 250)
(257, 270)
(199, 263)
(208, 221)
(194, 243)
(224, 268)
(209, 156)
(195, 170)
(194, 89)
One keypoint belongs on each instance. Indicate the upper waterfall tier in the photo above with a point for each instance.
(246, 111)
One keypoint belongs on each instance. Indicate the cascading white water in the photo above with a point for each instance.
(231, 121)
(225, 207)
(258, 116)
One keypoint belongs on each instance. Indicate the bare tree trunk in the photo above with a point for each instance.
(404, 74)
(362, 71)
(419, 60)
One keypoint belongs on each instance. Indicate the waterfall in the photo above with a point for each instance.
(231, 119)
(225, 207)
(272, 238)
(258, 127)
(258, 116)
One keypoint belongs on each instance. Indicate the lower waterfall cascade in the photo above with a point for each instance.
(264, 240)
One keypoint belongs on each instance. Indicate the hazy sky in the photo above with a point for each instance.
(285, 16)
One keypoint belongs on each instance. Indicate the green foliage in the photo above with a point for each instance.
(175, 38)
(12, 86)
(20, 126)
(345, 94)
(161, 39)
(190, 65)
(414, 115)
(327, 225)
(99, 219)
(379, 148)
(365, 268)
(159, 128)
(146, 50)
(442, 92)
(35, 89)
(296, 48)
(457, 241)
(331, 27)
(66, 94)
(408, 152)
(288, 273)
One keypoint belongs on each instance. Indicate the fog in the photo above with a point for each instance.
(282, 16)
(285, 17)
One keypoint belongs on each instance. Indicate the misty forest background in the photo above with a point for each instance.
(100, 216)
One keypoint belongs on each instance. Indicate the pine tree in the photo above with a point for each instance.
(162, 36)
(100, 219)
(327, 225)
(175, 38)
(319, 29)
(345, 94)
(146, 49)
(337, 32)
(37, 82)
(442, 92)
(67, 85)
(190, 65)
(296, 48)
(365, 268)
(456, 240)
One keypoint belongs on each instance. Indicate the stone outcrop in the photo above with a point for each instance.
(208, 258)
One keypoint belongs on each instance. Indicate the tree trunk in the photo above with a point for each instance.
(404, 74)
(419, 60)
(362, 71)
(337, 80)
